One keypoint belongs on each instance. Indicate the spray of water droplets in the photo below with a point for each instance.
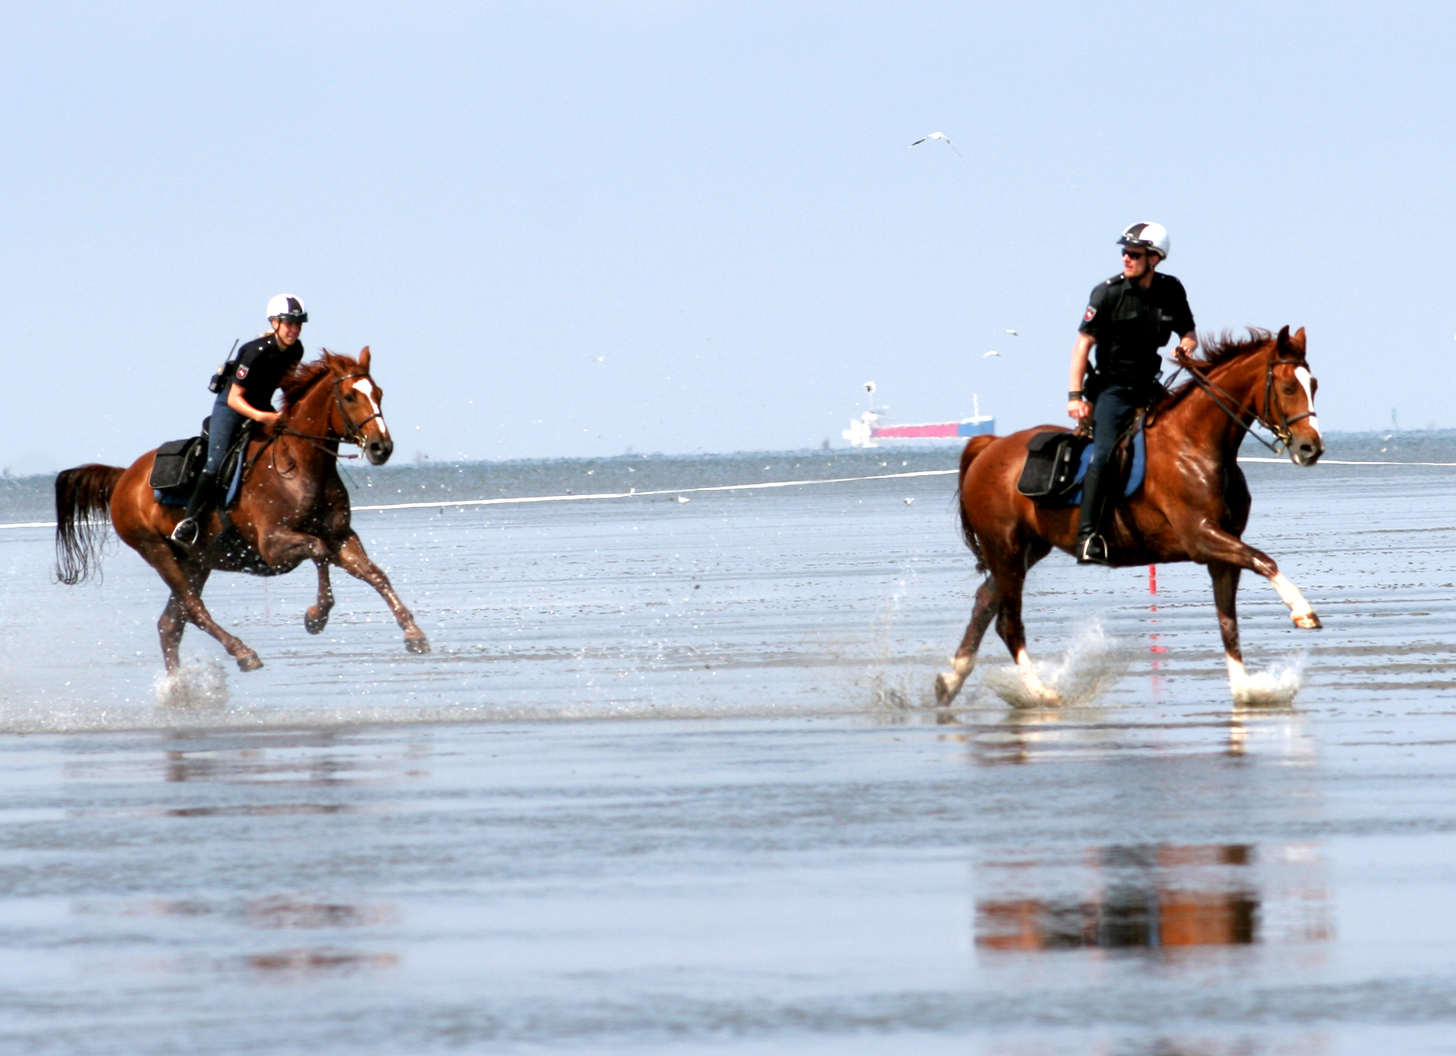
(201, 685)
(1092, 664)
(1274, 687)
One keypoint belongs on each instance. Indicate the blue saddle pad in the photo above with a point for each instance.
(1134, 475)
(178, 497)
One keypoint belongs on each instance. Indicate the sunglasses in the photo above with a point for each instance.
(1133, 254)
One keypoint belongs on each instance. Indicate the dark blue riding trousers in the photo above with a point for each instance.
(1114, 408)
(221, 432)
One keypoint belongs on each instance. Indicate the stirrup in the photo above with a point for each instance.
(186, 532)
(1092, 550)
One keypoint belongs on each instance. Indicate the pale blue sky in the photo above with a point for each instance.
(716, 199)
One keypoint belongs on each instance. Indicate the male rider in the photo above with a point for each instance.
(247, 392)
(1128, 318)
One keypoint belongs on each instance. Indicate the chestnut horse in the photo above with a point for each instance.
(292, 507)
(1192, 506)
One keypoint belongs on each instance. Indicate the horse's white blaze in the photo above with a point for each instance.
(1292, 597)
(366, 386)
(1302, 373)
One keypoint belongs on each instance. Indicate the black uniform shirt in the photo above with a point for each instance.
(261, 366)
(1131, 323)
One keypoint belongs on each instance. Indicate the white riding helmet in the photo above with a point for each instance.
(1147, 235)
(290, 308)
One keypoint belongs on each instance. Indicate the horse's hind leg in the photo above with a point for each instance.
(170, 626)
(948, 683)
(353, 560)
(186, 604)
(317, 616)
(1009, 584)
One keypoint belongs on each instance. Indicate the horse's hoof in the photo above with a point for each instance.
(1309, 622)
(944, 694)
(417, 643)
(312, 623)
(249, 662)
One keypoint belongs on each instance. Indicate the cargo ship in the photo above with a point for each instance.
(872, 427)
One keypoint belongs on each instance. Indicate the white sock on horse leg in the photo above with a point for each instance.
(1291, 595)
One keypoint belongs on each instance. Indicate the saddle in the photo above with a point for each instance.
(178, 463)
(1057, 461)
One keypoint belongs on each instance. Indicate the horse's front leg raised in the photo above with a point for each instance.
(1217, 546)
(317, 616)
(948, 683)
(351, 557)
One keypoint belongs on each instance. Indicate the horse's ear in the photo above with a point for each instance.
(1283, 340)
(364, 358)
(1297, 341)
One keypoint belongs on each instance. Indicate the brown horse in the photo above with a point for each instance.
(1192, 506)
(292, 507)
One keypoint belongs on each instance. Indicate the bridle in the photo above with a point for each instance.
(352, 433)
(327, 444)
(1280, 426)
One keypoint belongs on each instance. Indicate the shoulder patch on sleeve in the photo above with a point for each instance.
(242, 372)
(1087, 317)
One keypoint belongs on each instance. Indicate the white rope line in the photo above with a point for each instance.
(634, 494)
(1341, 462)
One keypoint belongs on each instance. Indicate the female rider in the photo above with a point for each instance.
(247, 392)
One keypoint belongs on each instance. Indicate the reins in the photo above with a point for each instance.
(327, 444)
(1280, 428)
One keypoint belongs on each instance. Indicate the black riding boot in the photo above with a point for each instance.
(1092, 517)
(189, 528)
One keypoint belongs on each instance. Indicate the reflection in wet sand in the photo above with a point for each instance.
(311, 962)
(1152, 897)
(275, 911)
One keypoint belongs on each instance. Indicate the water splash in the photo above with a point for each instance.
(1092, 664)
(1275, 687)
(202, 685)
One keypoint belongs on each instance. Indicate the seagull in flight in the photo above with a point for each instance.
(941, 136)
(991, 353)
(1013, 333)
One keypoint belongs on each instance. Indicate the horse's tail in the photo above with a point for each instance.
(83, 502)
(974, 447)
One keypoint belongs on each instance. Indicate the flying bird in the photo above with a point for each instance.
(1013, 333)
(940, 136)
(991, 353)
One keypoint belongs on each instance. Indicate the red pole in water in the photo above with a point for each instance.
(1152, 579)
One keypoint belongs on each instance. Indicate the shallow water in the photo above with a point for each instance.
(669, 783)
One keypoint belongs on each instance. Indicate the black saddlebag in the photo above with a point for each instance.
(1052, 460)
(178, 463)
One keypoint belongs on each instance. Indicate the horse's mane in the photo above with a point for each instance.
(1225, 348)
(298, 381)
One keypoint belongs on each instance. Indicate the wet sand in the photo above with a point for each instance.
(669, 784)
